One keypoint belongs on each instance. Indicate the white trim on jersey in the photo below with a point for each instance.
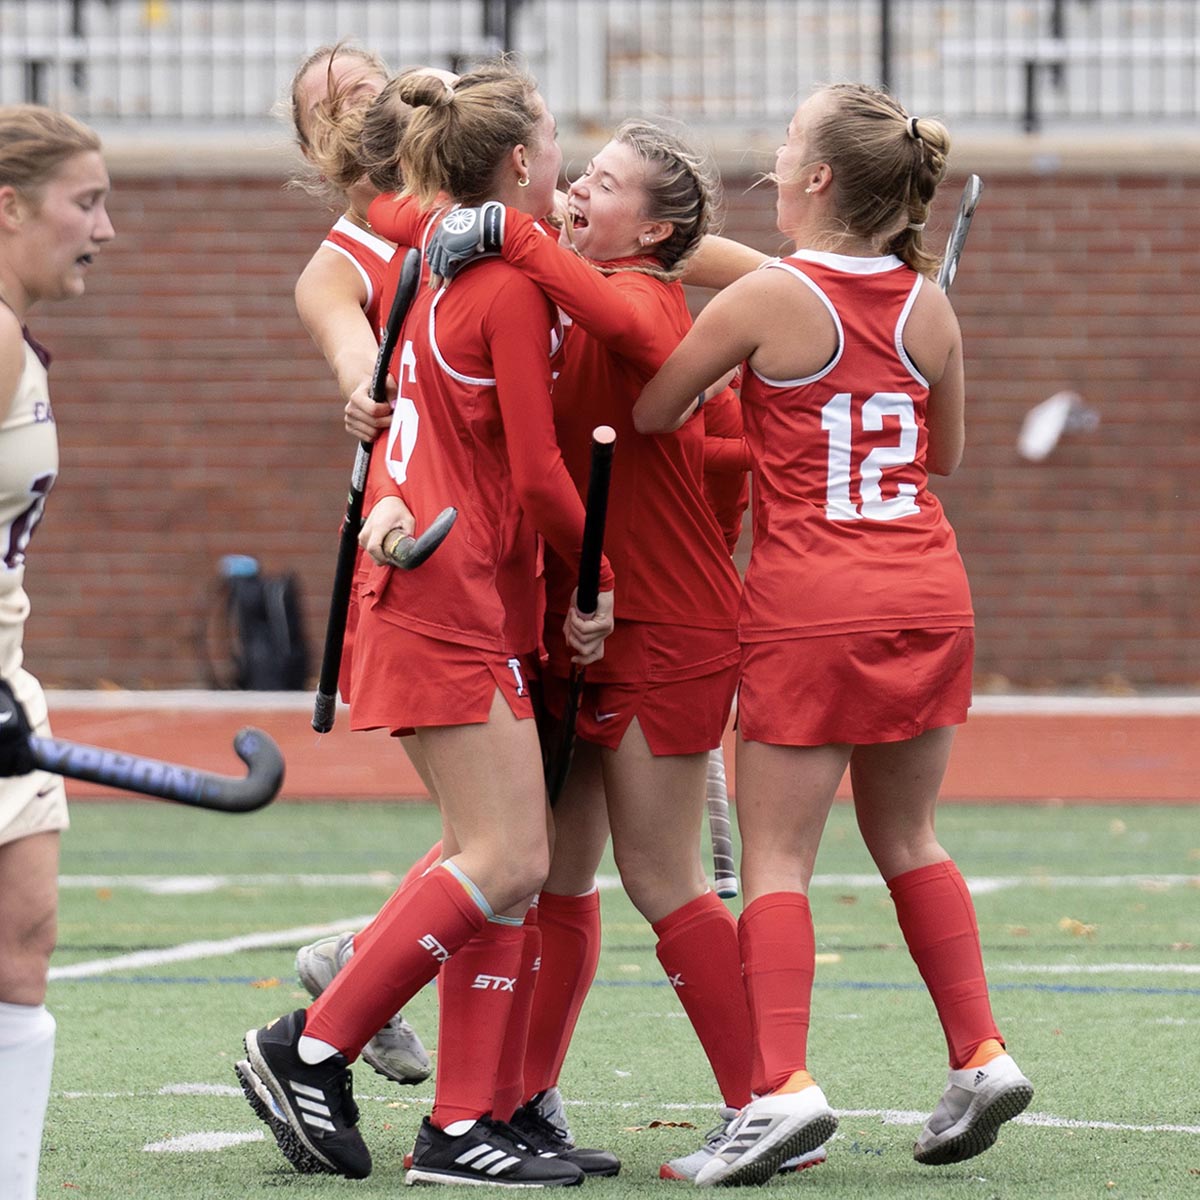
(373, 242)
(357, 266)
(837, 321)
(898, 337)
(848, 262)
(437, 353)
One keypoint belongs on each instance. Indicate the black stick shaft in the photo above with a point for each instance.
(592, 551)
(558, 758)
(325, 704)
(171, 781)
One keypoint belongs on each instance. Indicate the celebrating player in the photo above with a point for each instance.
(53, 221)
(448, 651)
(856, 617)
(338, 298)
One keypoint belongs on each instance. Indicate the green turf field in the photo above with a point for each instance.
(1091, 929)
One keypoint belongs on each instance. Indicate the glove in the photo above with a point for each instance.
(463, 236)
(16, 755)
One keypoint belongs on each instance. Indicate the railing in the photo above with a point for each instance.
(727, 63)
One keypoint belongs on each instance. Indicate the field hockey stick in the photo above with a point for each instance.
(343, 575)
(972, 190)
(170, 781)
(558, 756)
(724, 871)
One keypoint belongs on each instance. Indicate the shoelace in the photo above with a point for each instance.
(346, 1103)
(532, 1121)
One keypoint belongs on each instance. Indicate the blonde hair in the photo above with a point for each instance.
(382, 132)
(681, 187)
(329, 135)
(459, 134)
(35, 141)
(886, 168)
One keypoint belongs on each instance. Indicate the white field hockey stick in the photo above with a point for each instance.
(972, 190)
(724, 869)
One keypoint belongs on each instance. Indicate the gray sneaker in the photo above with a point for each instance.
(550, 1107)
(395, 1051)
(687, 1167)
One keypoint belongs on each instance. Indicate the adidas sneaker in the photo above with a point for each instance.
(310, 1110)
(766, 1133)
(687, 1167)
(976, 1102)
(395, 1051)
(488, 1153)
(546, 1138)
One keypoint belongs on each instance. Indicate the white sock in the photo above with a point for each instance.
(26, 1059)
(312, 1050)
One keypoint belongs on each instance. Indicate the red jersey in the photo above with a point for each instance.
(473, 428)
(370, 255)
(847, 536)
(726, 464)
(668, 552)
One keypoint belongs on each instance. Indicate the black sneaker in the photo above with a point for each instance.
(544, 1137)
(309, 1109)
(488, 1153)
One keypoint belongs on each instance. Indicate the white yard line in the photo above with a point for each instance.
(980, 885)
(189, 951)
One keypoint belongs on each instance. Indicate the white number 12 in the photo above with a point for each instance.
(837, 423)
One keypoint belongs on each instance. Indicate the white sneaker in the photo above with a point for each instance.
(768, 1132)
(395, 1051)
(687, 1167)
(976, 1102)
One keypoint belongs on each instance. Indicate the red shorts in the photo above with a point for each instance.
(403, 680)
(857, 688)
(686, 716)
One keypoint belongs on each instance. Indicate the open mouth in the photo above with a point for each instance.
(577, 219)
(85, 260)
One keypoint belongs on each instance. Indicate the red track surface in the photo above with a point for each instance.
(1064, 757)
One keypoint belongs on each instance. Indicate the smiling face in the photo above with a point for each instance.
(606, 206)
(58, 231)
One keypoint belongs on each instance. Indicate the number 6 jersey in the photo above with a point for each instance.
(847, 535)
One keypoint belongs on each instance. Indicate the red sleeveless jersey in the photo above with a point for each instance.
(847, 535)
(370, 255)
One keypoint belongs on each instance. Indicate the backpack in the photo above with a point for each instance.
(263, 629)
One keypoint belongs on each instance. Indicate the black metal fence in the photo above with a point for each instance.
(727, 63)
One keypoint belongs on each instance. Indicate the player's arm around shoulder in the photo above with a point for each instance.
(12, 359)
(728, 330)
(933, 340)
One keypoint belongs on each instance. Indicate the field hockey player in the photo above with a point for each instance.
(466, 628)
(855, 603)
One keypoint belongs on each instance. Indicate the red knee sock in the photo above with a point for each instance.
(415, 933)
(937, 919)
(778, 960)
(570, 928)
(428, 859)
(698, 949)
(475, 997)
(510, 1074)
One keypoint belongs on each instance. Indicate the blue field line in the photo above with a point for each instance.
(848, 985)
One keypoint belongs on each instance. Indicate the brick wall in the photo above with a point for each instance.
(196, 420)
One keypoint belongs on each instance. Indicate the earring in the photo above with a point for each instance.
(523, 182)
(808, 191)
